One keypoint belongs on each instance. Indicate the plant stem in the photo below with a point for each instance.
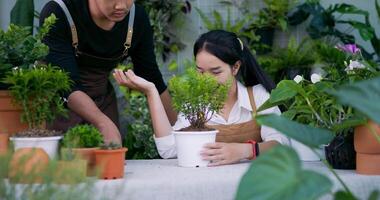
(315, 112)
(324, 161)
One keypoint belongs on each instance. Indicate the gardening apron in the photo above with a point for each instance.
(94, 72)
(239, 133)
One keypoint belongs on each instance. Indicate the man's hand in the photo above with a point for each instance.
(109, 131)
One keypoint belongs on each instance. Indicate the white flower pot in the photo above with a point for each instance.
(48, 144)
(304, 152)
(189, 145)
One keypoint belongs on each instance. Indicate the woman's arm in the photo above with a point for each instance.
(160, 120)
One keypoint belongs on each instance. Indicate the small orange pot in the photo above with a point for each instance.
(110, 163)
(27, 165)
(10, 115)
(367, 149)
(4, 143)
(87, 154)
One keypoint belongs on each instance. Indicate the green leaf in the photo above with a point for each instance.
(374, 195)
(363, 96)
(22, 13)
(310, 136)
(277, 174)
(285, 90)
(348, 123)
(366, 32)
(343, 195)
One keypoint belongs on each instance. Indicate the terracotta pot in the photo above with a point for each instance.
(87, 154)
(70, 172)
(10, 115)
(367, 149)
(27, 165)
(4, 143)
(110, 163)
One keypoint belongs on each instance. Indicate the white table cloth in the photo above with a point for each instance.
(163, 179)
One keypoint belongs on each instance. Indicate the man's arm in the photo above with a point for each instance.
(84, 106)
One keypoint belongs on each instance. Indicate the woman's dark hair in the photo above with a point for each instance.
(227, 47)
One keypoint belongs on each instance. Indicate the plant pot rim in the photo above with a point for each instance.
(81, 148)
(106, 151)
(35, 138)
(194, 132)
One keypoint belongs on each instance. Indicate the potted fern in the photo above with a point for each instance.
(81, 141)
(197, 96)
(110, 160)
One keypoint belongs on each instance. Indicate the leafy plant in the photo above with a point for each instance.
(285, 63)
(362, 95)
(164, 16)
(19, 48)
(38, 91)
(197, 96)
(23, 13)
(274, 14)
(82, 136)
(110, 146)
(308, 102)
(239, 26)
(324, 23)
(139, 138)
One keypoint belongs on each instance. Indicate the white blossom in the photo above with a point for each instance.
(298, 79)
(315, 78)
(354, 64)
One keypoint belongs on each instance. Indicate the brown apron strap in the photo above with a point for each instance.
(74, 34)
(128, 40)
(251, 98)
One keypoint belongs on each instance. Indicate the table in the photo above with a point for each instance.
(163, 179)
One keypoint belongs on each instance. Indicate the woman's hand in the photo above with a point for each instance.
(132, 81)
(226, 153)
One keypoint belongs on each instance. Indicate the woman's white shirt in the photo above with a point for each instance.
(241, 112)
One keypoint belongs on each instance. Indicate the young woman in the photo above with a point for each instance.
(222, 54)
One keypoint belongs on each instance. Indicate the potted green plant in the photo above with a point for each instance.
(197, 96)
(18, 48)
(308, 102)
(82, 141)
(110, 160)
(270, 18)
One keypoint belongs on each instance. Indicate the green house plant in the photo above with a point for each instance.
(286, 63)
(307, 102)
(110, 160)
(18, 48)
(81, 141)
(280, 172)
(196, 96)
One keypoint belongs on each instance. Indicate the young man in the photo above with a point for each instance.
(88, 40)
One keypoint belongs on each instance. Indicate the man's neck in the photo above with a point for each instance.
(99, 19)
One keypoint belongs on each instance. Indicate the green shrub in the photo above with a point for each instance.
(197, 96)
(82, 136)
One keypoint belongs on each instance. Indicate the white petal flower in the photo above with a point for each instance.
(298, 79)
(354, 64)
(315, 78)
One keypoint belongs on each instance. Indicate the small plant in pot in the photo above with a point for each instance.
(197, 96)
(110, 160)
(18, 48)
(81, 141)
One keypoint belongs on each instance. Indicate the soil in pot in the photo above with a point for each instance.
(340, 153)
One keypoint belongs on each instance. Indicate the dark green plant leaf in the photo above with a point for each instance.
(349, 9)
(374, 195)
(22, 13)
(363, 96)
(277, 174)
(366, 32)
(348, 123)
(343, 195)
(310, 136)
